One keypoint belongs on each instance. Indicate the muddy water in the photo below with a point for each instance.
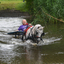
(14, 51)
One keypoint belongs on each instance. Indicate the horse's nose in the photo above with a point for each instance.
(36, 33)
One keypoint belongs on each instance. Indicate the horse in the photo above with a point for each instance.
(34, 33)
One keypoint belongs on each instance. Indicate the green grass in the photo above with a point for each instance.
(13, 5)
(21, 7)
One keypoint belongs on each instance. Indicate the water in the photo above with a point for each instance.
(14, 51)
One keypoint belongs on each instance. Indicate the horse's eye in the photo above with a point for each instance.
(38, 27)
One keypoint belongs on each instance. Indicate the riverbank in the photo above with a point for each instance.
(13, 5)
(13, 9)
(13, 13)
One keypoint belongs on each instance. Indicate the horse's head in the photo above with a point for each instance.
(38, 31)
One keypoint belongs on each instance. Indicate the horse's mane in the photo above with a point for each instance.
(34, 28)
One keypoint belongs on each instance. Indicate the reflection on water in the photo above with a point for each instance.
(14, 51)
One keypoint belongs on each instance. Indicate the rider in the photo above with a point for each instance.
(24, 25)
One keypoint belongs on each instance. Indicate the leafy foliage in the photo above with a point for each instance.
(54, 8)
(11, 0)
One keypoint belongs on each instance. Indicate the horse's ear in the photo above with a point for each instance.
(42, 27)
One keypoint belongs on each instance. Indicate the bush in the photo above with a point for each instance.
(45, 10)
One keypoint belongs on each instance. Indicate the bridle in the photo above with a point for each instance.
(34, 37)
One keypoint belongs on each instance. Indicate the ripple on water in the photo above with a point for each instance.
(8, 44)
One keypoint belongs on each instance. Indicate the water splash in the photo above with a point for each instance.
(8, 44)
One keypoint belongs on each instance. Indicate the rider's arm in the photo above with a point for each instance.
(20, 28)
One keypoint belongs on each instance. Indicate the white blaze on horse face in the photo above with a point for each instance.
(39, 31)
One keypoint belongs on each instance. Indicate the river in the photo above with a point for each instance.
(14, 51)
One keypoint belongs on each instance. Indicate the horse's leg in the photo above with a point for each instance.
(35, 40)
(23, 37)
(41, 39)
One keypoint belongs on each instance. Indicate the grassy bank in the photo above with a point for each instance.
(13, 5)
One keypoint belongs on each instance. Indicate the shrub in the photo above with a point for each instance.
(46, 10)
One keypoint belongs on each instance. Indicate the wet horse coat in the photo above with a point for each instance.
(34, 33)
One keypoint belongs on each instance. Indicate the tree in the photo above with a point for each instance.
(39, 8)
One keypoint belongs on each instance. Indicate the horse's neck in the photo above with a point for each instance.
(33, 30)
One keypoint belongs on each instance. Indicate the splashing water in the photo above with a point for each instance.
(8, 44)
